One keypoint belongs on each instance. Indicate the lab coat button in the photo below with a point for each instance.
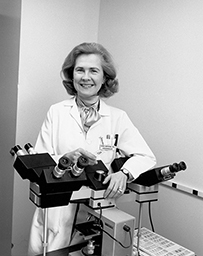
(89, 141)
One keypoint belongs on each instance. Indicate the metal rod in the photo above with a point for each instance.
(139, 227)
(45, 243)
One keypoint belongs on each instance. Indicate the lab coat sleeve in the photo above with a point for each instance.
(131, 143)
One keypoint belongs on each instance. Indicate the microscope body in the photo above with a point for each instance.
(48, 191)
(112, 230)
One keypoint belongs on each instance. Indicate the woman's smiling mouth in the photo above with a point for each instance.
(87, 85)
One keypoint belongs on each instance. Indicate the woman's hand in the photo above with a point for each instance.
(74, 155)
(117, 184)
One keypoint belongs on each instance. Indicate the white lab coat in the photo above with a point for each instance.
(62, 132)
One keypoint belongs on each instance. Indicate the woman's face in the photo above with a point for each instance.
(88, 76)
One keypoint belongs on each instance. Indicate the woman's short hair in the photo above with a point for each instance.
(109, 87)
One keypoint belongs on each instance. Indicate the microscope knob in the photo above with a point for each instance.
(100, 175)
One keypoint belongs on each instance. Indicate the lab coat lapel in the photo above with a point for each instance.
(104, 109)
(104, 112)
(74, 112)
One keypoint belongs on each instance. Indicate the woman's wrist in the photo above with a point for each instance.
(126, 172)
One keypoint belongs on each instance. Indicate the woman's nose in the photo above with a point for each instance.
(86, 76)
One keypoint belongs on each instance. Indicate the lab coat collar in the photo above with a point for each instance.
(104, 109)
(71, 103)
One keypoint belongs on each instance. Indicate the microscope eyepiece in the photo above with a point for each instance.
(182, 165)
(173, 168)
(78, 168)
(82, 162)
(63, 164)
(17, 150)
(29, 148)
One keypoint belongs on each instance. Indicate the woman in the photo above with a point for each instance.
(86, 125)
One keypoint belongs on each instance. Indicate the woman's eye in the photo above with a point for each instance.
(94, 71)
(79, 70)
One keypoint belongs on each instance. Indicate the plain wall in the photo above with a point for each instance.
(9, 59)
(49, 30)
(157, 47)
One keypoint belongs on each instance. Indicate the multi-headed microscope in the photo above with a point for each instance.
(108, 230)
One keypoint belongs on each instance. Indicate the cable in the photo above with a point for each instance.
(125, 228)
(150, 217)
(117, 240)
